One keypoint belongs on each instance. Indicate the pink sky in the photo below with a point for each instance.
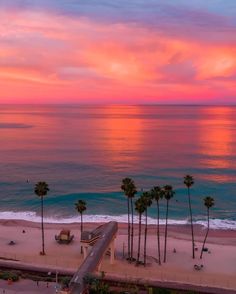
(47, 56)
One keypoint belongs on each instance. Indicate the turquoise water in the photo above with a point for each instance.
(83, 152)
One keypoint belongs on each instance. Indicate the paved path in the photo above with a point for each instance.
(27, 287)
(108, 233)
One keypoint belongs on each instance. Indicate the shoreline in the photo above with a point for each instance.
(215, 223)
(177, 231)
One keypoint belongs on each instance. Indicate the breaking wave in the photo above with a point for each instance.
(224, 224)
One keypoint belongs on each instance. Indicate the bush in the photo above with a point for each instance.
(96, 285)
(9, 276)
(65, 281)
(161, 291)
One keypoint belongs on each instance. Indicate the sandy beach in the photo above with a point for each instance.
(219, 264)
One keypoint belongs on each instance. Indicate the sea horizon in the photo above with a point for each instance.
(119, 104)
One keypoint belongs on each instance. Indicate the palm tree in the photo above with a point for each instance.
(129, 189)
(208, 202)
(168, 194)
(41, 189)
(157, 194)
(147, 202)
(140, 208)
(189, 181)
(80, 206)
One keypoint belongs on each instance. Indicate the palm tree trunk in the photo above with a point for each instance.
(81, 223)
(81, 230)
(132, 229)
(128, 205)
(139, 238)
(191, 219)
(145, 239)
(167, 209)
(42, 226)
(158, 233)
(208, 226)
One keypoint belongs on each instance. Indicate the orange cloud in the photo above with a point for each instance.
(46, 57)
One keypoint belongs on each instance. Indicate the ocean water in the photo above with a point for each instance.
(83, 152)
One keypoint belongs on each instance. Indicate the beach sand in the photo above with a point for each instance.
(219, 266)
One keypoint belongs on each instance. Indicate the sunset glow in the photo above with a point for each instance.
(103, 53)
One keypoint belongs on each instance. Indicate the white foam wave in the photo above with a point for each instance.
(223, 224)
(32, 216)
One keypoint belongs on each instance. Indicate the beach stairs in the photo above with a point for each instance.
(89, 238)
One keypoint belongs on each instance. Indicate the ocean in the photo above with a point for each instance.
(84, 152)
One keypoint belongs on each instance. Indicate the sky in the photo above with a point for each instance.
(128, 52)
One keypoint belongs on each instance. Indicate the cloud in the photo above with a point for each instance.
(217, 15)
(100, 49)
(179, 72)
(14, 126)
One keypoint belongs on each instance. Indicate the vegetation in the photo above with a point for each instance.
(189, 181)
(157, 195)
(168, 194)
(140, 208)
(41, 189)
(101, 285)
(65, 281)
(44, 277)
(9, 275)
(129, 188)
(96, 285)
(80, 206)
(147, 202)
(171, 291)
(208, 202)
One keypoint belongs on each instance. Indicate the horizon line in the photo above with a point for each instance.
(121, 104)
